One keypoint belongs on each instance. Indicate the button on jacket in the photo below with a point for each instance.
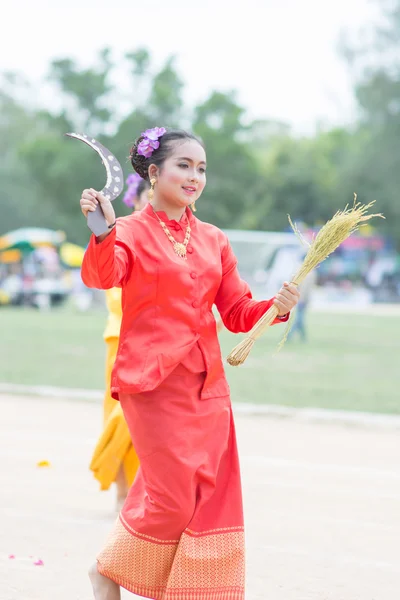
(167, 301)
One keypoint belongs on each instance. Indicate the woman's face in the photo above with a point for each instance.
(182, 177)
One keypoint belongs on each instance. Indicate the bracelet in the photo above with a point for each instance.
(112, 225)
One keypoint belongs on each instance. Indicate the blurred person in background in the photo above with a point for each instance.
(306, 289)
(114, 459)
(12, 284)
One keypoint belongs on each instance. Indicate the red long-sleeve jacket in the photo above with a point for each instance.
(167, 301)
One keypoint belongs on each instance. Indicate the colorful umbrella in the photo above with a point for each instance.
(30, 238)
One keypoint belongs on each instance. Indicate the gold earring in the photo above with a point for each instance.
(150, 193)
(193, 207)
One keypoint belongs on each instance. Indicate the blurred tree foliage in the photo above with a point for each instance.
(374, 165)
(258, 172)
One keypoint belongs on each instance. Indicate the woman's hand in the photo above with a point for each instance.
(287, 298)
(91, 198)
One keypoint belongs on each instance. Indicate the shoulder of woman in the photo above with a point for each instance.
(127, 222)
(217, 233)
(213, 230)
(126, 230)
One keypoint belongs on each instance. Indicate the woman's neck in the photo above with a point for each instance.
(174, 213)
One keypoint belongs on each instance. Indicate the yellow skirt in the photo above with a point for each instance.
(114, 447)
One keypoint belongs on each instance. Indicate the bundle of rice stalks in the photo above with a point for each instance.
(330, 236)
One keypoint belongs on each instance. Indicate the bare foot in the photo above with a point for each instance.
(103, 588)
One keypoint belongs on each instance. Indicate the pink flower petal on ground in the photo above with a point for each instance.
(11, 556)
(38, 563)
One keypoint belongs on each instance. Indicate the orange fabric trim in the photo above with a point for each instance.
(140, 566)
(213, 531)
(210, 566)
(204, 567)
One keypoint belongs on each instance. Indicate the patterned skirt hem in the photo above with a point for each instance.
(139, 590)
(171, 594)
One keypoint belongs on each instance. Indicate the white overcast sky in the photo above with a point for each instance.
(280, 55)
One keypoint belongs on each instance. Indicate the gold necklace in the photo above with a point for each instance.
(179, 247)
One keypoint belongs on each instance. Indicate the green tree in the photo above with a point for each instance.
(234, 182)
(303, 178)
(165, 101)
(375, 168)
(19, 192)
(258, 172)
(62, 167)
(86, 89)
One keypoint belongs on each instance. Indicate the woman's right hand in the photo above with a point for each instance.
(91, 198)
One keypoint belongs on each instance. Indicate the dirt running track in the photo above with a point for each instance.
(322, 505)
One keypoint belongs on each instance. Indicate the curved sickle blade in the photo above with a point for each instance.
(114, 184)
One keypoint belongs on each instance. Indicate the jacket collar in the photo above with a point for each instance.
(172, 223)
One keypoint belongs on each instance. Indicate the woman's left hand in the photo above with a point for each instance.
(287, 298)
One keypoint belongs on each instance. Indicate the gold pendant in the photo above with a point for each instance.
(180, 249)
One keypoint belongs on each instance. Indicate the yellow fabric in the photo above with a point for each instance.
(114, 447)
(10, 256)
(114, 307)
(109, 403)
(72, 255)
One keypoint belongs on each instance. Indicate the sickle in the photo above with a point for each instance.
(114, 184)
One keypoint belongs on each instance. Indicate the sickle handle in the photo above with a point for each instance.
(96, 221)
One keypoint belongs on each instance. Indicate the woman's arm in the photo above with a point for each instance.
(234, 301)
(108, 260)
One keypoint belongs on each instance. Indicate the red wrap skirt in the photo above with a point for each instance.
(180, 533)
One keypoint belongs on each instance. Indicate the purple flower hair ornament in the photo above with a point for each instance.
(133, 180)
(150, 141)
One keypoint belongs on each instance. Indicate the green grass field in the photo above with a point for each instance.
(350, 361)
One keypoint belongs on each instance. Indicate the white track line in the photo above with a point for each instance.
(244, 408)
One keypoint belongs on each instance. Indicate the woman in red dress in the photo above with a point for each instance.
(180, 534)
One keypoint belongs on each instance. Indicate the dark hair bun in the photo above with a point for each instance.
(139, 162)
